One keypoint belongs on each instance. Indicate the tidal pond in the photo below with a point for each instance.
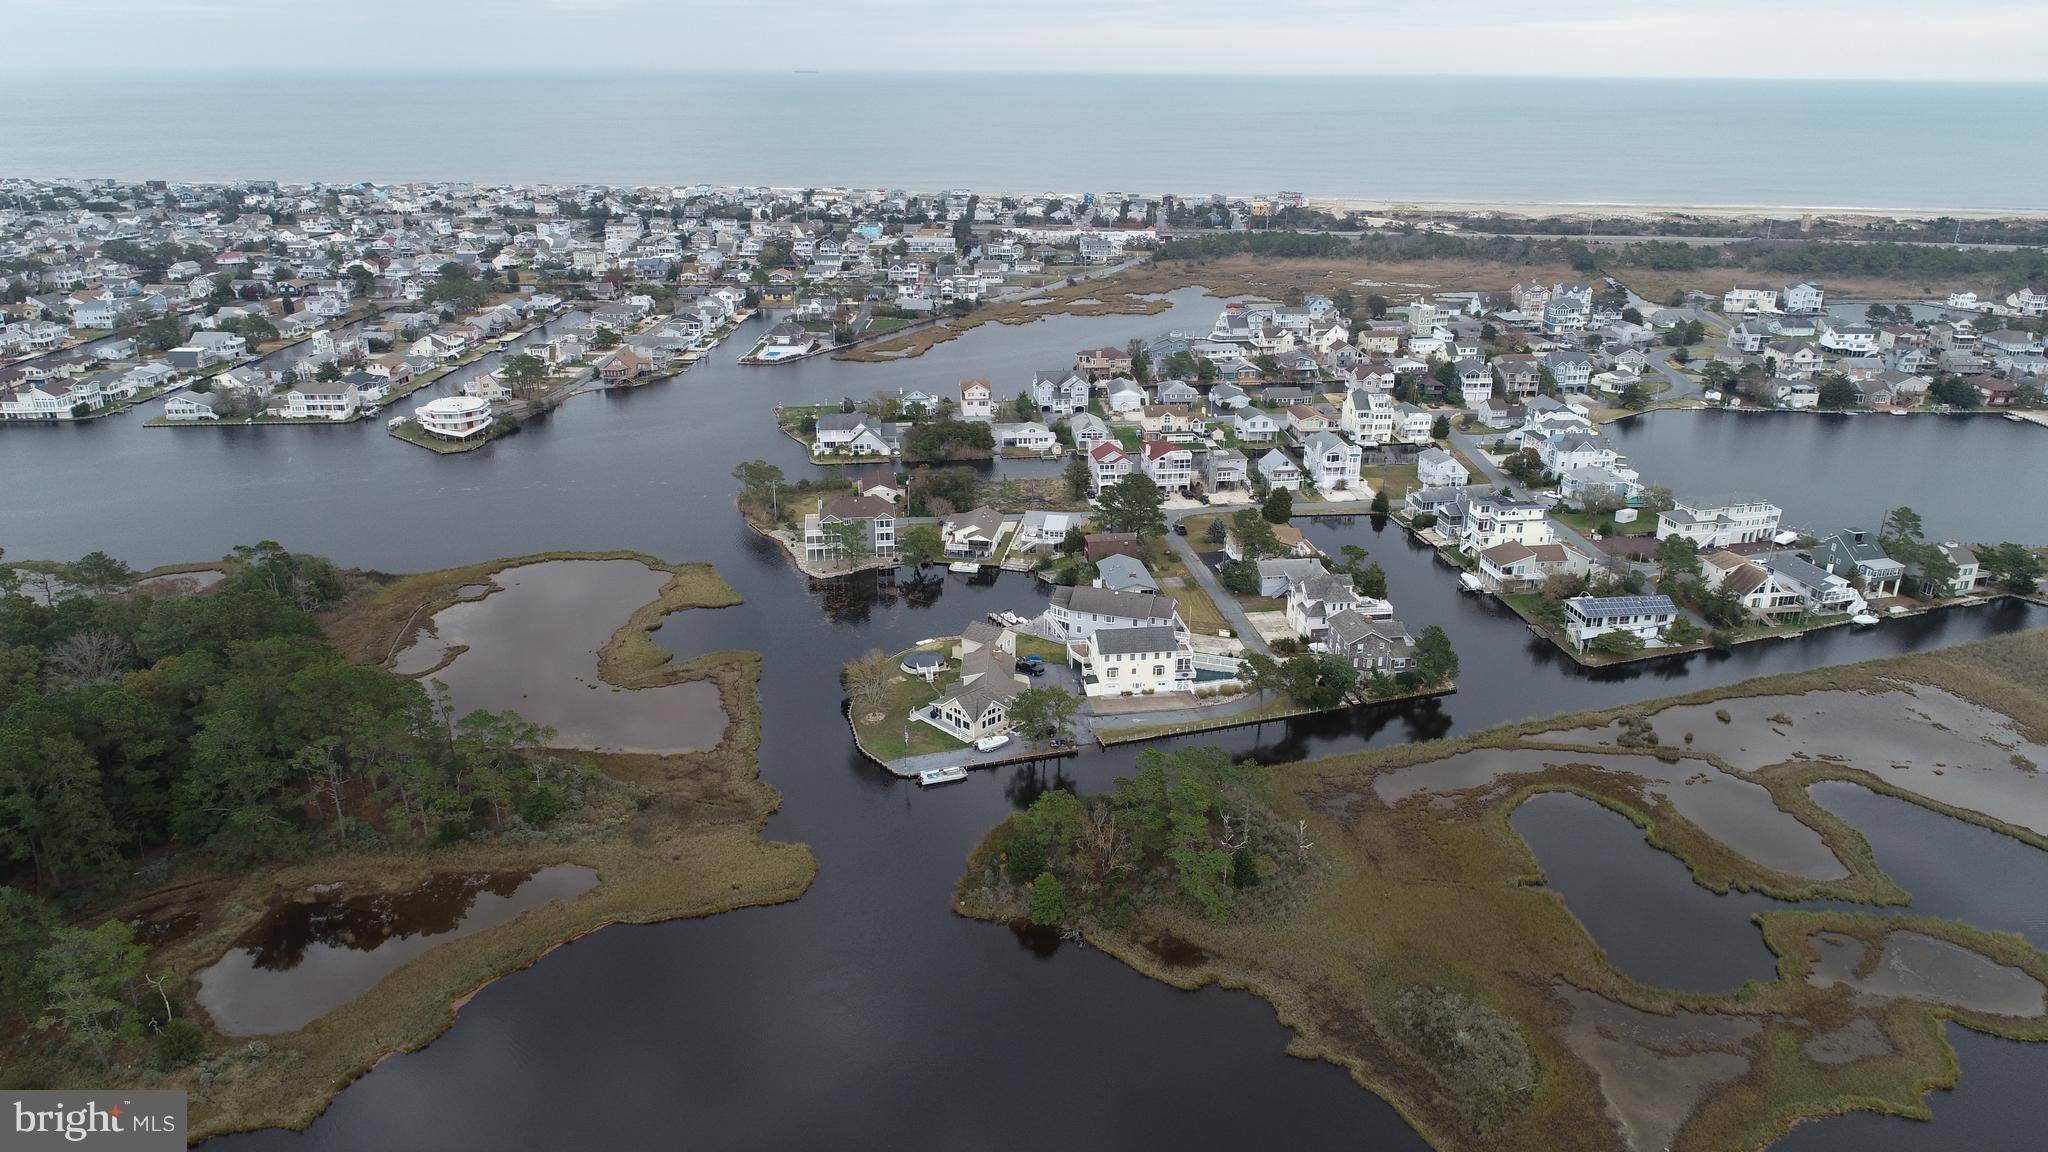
(532, 646)
(1737, 812)
(309, 956)
(1917, 737)
(1915, 966)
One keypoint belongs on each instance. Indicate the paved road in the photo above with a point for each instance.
(1493, 475)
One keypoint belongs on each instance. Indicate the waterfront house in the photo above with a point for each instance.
(1088, 430)
(1075, 613)
(1484, 520)
(1124, 396)
(1025, 436)
(192, 406)
(1749, 299)
(1572, 368)
(978, 703)
(1170, 465)
(1107, 464)
(1854, 550)
(1039, 532)
(339, 400)
(1805, 297)
(1103, 361)
(1373, 645)
(853, 434)
(1332, 463)
(1720, 523)
(1313, 598)
(1820, 592)
(1513, 567)
(1968, 573)
(454, 417)
(1644, 617)
(977, 400)
(1059, 393)
(972, 534)
(873, 521)
(1140, 660)
(1754, 586)
(1228, 397)
(1178, 393)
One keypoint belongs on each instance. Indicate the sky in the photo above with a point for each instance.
(1974, 41)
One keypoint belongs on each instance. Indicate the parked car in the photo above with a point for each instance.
(1031, 665)
(1180, 529)
(991, 743)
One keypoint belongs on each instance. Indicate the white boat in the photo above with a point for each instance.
(1007, 619)
(394, 422)
(1468, 582)
(931, 776)
(991, 743)
(964, 567)
(1863, 619)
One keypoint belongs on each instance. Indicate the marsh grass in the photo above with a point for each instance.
(1438, 892)
(669, 836)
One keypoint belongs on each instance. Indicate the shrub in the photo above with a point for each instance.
(541, 804)
(1023, 858)
(178, 1044)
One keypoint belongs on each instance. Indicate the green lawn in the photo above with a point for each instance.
(1645, 524)
(1049, 651)
(884, 737)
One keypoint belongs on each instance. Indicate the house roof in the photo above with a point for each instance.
(1109, 602)
(1133, 641)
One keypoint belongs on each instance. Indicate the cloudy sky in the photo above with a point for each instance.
(1983, 40)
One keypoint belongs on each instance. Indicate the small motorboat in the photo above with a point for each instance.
(964, 567)
(1468, 582)
(931, 776)
(991, 743)
(1863, 619)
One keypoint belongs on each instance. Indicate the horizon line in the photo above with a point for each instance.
(464, 72)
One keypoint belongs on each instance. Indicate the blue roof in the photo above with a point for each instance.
(1624, 605)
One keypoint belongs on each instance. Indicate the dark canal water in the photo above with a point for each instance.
(865, 1014)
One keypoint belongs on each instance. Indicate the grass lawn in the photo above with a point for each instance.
(1050, 651)
(881, 324)
(1393, 479)
(1127, 435)
(1585, 524)
(1196, 608)
(882, 729)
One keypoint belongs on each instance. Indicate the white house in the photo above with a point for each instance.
(1077, 612)
(1718, 525)
(1140, 660)
(1367, 416)
(1170, 465)
(1107, 464)
(1436, 468)
(1644, 617)
(1280, 471)
(977, 400)
(1805, 297)
(1332, 463)
(454, 417)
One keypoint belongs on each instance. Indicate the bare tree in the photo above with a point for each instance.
(1301, 841)
(88, 657)
(867, 680)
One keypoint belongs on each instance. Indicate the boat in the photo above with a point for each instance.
(1468, 582)
(395, 421)
(964, 567)
(931, 776)
(1863, 619)
(1007, 619)
(991, 743)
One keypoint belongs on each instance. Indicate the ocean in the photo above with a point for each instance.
(1514, 140)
